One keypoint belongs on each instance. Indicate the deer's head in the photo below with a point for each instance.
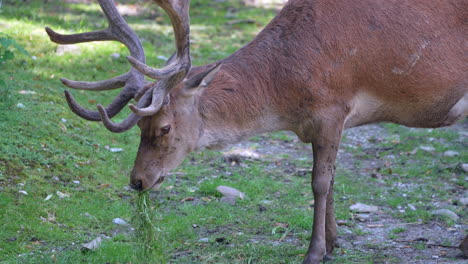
(166, 110)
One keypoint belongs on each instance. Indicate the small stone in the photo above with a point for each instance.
(115, 149)
(464, 201)
(435, 257)
(23, 192)
(119, 221)
(229, 191)
(464, 167)
(93, 245)
(362, 217)
(451, 153)
(363, 208)
(20, 105)
(115, 55)
(76, 182)
(446, 213)
(427, 148)
(204, 240)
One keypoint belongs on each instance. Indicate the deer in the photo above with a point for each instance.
(318, 68)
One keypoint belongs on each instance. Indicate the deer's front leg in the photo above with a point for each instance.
(330, 222)
(325, 148)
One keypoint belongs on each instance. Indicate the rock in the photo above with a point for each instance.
(231, 200)
(23, 192)
(93, 245)
(363, 208)
(71, 48)
(113, 149)
(464, 167)
(229, 191)
(446, 213)
(464, 201)
(427, 148)
(204, 240)
(362, 217)
(20, 105)
(451, 153)
(119, 221)
(464, 246)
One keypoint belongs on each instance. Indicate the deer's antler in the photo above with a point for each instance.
(178, 65)
(133, 81)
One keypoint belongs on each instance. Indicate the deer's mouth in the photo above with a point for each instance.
(158, 182)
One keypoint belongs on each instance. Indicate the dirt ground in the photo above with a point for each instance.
(438, 243)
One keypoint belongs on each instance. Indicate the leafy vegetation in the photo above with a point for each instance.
(60, 186)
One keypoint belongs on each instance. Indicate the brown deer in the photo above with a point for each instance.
(319, 67)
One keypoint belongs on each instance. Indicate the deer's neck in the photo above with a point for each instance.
(239, 103)
(256, 91)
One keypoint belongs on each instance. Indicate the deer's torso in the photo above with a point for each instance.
(363, 61)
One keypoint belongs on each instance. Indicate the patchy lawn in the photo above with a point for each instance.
(62, 186)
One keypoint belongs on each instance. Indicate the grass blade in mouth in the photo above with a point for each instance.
(149, 247)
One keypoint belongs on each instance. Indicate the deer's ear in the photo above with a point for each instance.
(197, 83)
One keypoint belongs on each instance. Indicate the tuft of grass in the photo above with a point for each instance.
(148, 244)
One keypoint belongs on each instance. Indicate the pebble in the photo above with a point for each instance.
(427, 148)
(119, 221)
(93, 245)
(464, 167)
(20, 105)
(363, 208)
(204, 240)
(229, 191)
(446, 213)
(451, 153)
(115, 55)
(464, 201)
(23, 192)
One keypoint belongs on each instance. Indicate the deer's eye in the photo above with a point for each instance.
(165, 129)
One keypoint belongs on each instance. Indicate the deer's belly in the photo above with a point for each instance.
(366, 109)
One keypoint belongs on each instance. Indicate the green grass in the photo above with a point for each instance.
(45, 148)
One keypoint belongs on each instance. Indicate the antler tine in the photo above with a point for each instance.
(132, 81)
(160, 91)
(178, 12)
(129, 122)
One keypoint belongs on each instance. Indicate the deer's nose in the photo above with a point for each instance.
(137, 185)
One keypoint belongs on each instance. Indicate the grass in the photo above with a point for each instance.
(46, 149)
